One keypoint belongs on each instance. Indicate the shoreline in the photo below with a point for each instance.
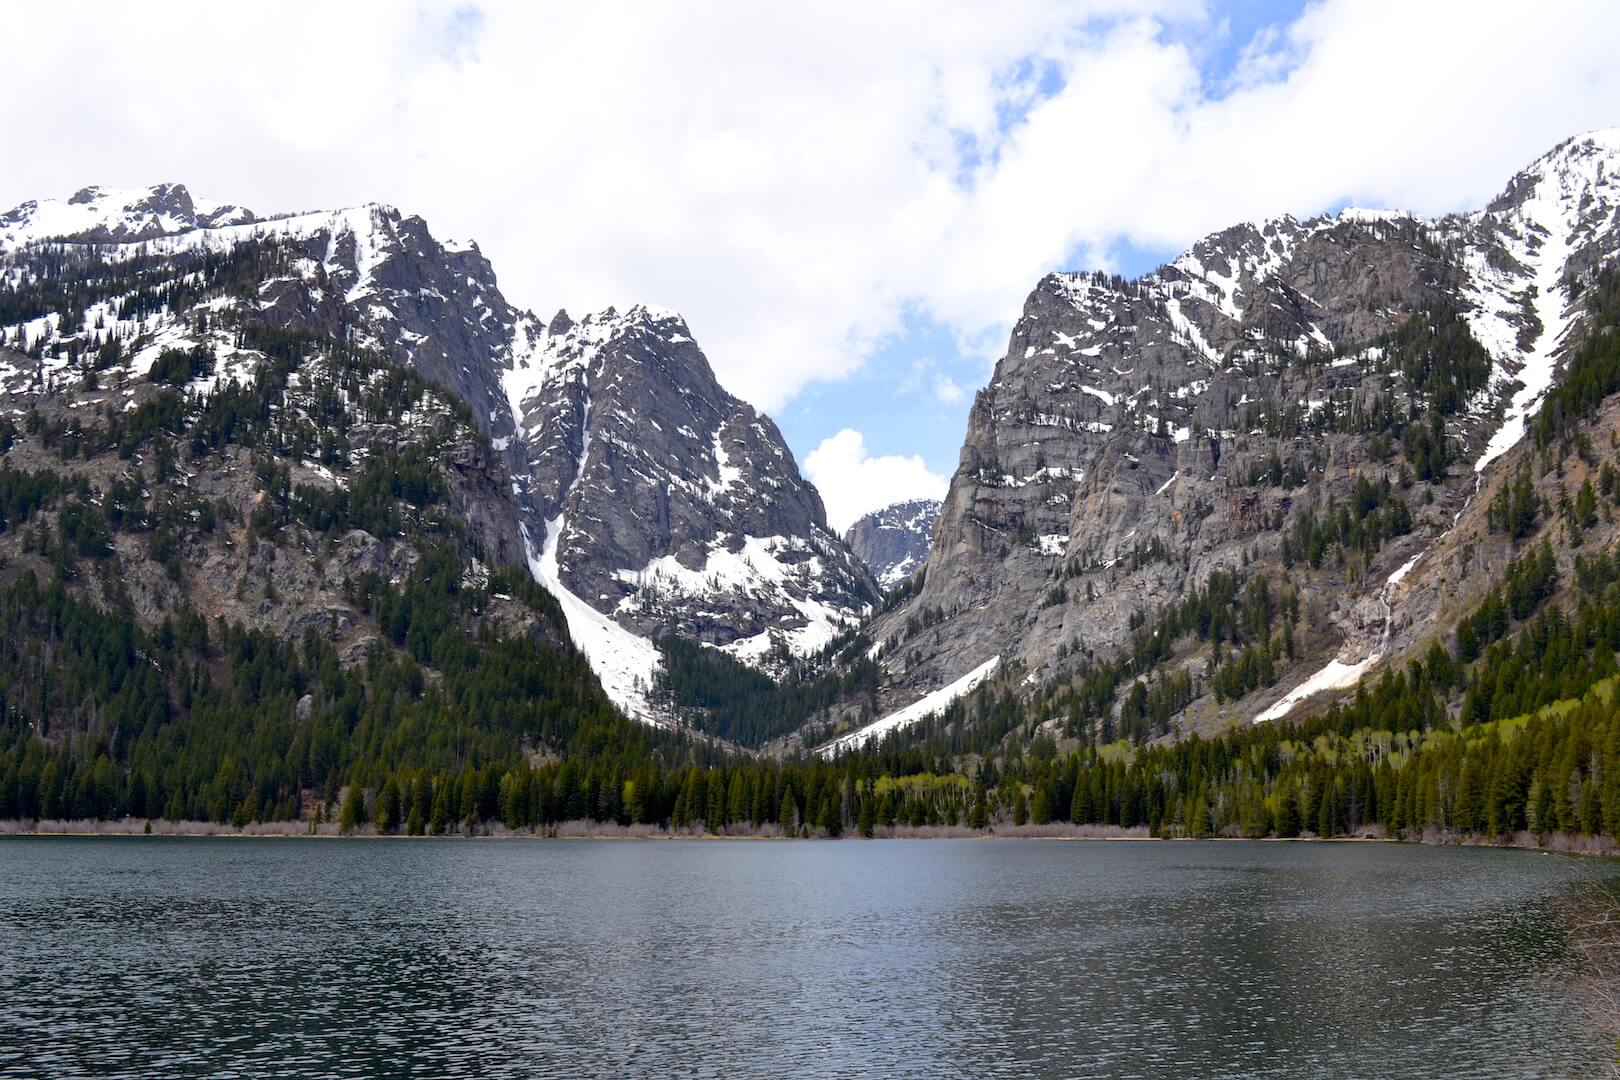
(1554, 844)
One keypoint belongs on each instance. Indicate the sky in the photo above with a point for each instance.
(848, 202)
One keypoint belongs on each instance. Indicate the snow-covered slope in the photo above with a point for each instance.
(1557, 219)
(113, 215)
(930, 704)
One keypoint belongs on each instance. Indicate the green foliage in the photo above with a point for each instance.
(1592, 373)
(1373, 516)
(205, 719)
(1516, 508)
(84, 531)
(1444, 364)
(1273, 473)
(67, 280)
(177, 367)
(22, 494)
(1441, 368)
(719, 694)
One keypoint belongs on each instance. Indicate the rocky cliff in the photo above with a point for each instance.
(894, 541)
(617, 470)
(665, 504)
(1305, 404)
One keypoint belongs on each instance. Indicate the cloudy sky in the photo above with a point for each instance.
(849, 202)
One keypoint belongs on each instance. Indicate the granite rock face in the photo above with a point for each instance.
(616, 468)
(666, 503)
(1140, 435)
(894, 541)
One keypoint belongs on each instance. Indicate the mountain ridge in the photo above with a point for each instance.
(1105, 464)
(375, 276)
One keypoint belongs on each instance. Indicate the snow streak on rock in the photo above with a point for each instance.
(930, 705)
(626, 664)
(1562, 199)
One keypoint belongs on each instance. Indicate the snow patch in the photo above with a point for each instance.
(624, 662)
(729, 474)
(1337, 675)
(1101, 395)
(918, 710)
(1340, 674)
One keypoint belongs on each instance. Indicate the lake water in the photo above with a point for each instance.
(171, 957)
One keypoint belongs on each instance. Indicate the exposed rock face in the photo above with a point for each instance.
(215, 529)
(1121, 452)
(654, 501)
(667, 503)
(894, 541)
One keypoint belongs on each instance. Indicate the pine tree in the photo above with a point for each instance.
(1586, 505)
(386, 814)
(353, 814)
(444, 813)
(421, 804)
(1041, 808)
(868, 815)
(788, 816)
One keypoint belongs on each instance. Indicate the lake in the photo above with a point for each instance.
(318, 957)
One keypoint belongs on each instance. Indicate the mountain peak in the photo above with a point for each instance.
(650, 500)
(1140, 436)
(893, 542)
(115, 215)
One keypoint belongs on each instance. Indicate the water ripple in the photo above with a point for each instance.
(333, 958)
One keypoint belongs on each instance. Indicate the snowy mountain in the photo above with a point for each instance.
(1313, 403)
(667, 505)
(893, 541)
(115, 216)
(650, 500)
(1214, 493)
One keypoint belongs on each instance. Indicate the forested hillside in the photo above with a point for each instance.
(242, 577)
(255, 567)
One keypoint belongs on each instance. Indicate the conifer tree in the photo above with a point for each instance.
(353, 814)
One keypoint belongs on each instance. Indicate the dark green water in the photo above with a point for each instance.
(164, 957)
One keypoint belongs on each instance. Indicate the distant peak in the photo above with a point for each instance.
(115, 215)
(655, 314)
(172, 199)
(175, 195)
(1368, 215)
(1598, 139)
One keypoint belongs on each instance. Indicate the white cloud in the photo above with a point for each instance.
(852, 483)
(924, 377)
(796, 182)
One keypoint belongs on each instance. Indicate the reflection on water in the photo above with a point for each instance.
(328, 957)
